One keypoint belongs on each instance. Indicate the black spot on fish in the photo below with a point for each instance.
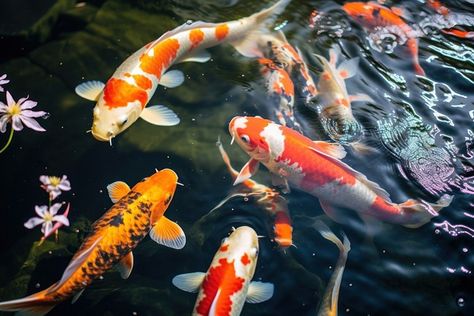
(376, 13)
(117, 220)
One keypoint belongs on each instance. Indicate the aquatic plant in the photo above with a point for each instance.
(55, 185)
(18, 113)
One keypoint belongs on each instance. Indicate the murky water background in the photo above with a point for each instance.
(48, 48)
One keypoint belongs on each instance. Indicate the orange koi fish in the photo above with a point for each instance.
(328, 305)
(315, 167)
(123, 99)
(267, 199)
(227, 285)
(372, 14)
(276, 47)
(281, 89)
(334, 100)
(136, 212)
(450, 19)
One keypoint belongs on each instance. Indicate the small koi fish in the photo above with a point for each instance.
(450, 19)
(267, 199)
(123, 99)
(328, 305)
(136, 212)
(372, 15)
(334, 101)
(227, 285)
(315, 167)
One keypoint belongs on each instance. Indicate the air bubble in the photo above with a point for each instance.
(460, 302)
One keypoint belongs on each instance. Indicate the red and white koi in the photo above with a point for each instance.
(282, 91)
(226, 285)
(334, 103)
(267, 199)
(123, 99)
(448, 21)
(315, 167)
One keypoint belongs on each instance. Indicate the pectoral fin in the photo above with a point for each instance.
(168, 233)
(247, 171)
(201, 56)
(125, 266)
(76, 297)
(172, 79)
(160, 115)
(360, 98)
(332, 212)
(259, 292)
(90, 90)
(189, 282)
(117, 190)
(331, 149)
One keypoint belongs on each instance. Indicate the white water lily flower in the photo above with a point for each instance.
(3, 81)
(55, 185)
(19, 113)
(46, 218)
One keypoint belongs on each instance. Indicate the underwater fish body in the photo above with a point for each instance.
(123, 99)
(136, 212)
(372, 14)
(226, 285)
(315, 168)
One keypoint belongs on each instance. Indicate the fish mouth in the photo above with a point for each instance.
(99, 137)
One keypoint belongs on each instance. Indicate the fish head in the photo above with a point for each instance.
(109, 121)
(241, 247)
(158, 189)
(249, 133)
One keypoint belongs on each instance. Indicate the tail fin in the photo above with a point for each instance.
(248, 46)
(325, 231)
(422, 212)
(33, 305)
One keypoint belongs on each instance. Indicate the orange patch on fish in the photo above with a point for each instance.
(286, 82)
(381, 204)
(245, 259)
(164, 54)
(118, 93)
(221, 278)
(222, 30)
(224, 248)
(283, 230)
(196, 37)
(143, 82)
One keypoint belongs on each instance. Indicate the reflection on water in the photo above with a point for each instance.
(421, 128)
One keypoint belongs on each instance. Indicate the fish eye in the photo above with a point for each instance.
(123, 121)
(245, 139)
(254, 252)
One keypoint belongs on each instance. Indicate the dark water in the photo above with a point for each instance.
(48, 48)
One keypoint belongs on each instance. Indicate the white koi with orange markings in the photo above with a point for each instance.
(125, 95)
(226, 285)
(315, 168)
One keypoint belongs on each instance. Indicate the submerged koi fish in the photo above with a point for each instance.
(328, 305)
(226, 286)
(315, 167)
(336, 113)
(267, 199)
(282, 91)
(122, 100)
(136, 212)
(372, 14)
(449, 20)
(275, 47)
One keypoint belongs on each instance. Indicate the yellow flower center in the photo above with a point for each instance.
(55, 181)
(15, 109)
(48, 217)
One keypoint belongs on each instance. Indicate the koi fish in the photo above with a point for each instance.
(136, 212)
(335, 102)
(276, 47)
(267, 199)
(123, 99)
(315, 167)
(372, 15)
(226, 285)
(328, 305)
(450, 20)
(281, 89)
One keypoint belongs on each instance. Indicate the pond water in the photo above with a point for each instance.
(421, 128)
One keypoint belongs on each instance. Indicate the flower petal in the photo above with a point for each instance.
(30, 113)
(32, 222)
(41, 210)
(4, 123)
(47, 227)
(55, 192)
(28, 104)
(16, 121)
(64, 185)
(10, 100)
(53, 210)
(45, 180)
(62, 219)
(3, 107)
(32, 123)
(3, 76)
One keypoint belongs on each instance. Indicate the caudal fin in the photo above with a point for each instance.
(248, 46)
(421, 212)
(325, 231)
(33, 305)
